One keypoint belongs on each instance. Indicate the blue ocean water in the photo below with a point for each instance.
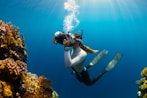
(115, 25)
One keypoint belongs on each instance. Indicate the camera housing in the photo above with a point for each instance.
(59, 39)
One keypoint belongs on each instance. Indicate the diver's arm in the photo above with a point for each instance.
(75, 61)
(67, 57)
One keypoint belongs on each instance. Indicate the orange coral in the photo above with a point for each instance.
(10, 42)
(15, 80)
(13, 67)
(6, 89)
(37, 87)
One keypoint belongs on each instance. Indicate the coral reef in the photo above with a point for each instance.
(15, 80)
(144, 72)
(142, 92)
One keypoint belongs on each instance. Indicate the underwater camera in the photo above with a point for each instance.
(60, 36)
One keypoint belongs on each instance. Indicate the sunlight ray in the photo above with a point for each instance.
(115, 8)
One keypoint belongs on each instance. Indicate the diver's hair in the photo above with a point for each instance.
(88, 49)
(78, 35)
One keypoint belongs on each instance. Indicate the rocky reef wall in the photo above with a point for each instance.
(15, 80)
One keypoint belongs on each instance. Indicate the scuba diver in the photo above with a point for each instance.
(76, 59)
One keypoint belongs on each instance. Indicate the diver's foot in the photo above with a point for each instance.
(94, 51)
(98, 57)
(114, 62)
(118, 56)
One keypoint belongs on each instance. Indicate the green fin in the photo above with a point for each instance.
(113, 62)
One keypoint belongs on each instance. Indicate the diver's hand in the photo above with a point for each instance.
(66, 42)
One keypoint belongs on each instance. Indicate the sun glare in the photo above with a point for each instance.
(127, 9)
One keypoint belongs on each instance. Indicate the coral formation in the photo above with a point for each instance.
(144, 72)
(142, 92)
(15, 80)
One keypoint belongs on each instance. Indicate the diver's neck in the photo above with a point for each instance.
(75, 48)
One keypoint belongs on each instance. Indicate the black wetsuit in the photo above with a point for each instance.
(85, 78)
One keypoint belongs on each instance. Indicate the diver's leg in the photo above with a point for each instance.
(110, 66)
(84, 77)
(97, 58)
(113, 62)
(95, 79)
